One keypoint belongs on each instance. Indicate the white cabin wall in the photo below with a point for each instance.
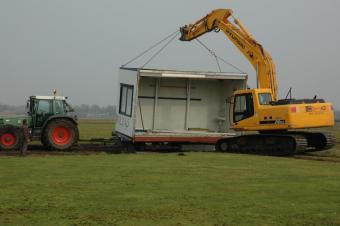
(204, 112)
(170, 111)
(126, 125)
(147, 87)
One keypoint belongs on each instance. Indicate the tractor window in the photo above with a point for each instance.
(59, 107)
(68, 107)
(265, 98)
(244, 107)
(126, 100)
(44, 106)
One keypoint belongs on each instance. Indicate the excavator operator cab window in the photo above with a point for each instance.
(243, 107)
(265, 98)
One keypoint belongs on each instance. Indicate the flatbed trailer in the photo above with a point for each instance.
(193, 137)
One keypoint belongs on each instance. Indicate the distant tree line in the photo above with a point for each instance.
(9, 109)
(95, 111)
(83, 110)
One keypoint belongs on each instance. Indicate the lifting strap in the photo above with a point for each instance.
(217, 58)
(171, 37)
(168, 39)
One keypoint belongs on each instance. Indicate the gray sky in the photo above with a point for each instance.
(77, 46)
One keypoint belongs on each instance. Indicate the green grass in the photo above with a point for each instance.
(95, 128)
(166, 189)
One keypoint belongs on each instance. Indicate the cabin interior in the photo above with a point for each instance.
(185, 104)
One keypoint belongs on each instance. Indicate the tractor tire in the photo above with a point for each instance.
(60, 134)
(11, 138)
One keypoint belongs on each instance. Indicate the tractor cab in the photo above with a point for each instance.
(42, 108)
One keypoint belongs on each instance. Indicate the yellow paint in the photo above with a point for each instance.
(285, 117)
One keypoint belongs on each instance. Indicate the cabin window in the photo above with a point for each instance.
(68, 107)
(44, 107)
(59, 107)
(126, 100)
(265, 98)
(243, 107)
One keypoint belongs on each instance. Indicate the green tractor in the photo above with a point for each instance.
(51, 120)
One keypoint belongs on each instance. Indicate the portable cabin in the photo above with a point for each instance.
(167, 106)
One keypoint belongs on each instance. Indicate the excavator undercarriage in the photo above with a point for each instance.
(278, 143)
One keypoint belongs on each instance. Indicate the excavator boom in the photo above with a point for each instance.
(259, 58)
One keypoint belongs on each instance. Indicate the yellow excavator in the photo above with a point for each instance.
(279, 123)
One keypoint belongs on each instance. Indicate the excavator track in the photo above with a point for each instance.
(277, 144)
(331, 141)
(318, 141)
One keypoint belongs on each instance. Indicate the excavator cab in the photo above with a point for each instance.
(255, 110)
(245, 103)
(243, 107)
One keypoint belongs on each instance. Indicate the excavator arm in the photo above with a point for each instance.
(259, 58)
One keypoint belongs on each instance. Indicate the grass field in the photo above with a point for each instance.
(95, 128)
(167, 189)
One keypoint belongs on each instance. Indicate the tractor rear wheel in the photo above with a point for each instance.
(60, 134)
(11, 138)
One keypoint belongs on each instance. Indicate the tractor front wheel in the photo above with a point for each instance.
(11, 138)
(60, 135)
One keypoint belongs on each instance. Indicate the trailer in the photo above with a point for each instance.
(175, 107)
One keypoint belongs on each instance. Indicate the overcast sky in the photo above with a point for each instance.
(77, 46)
